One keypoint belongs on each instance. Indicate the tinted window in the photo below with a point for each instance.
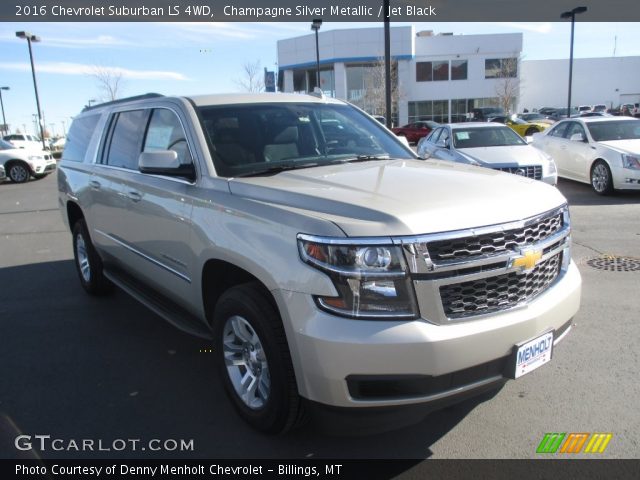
(458, 69)
(617, 130)
(558, 131)
(166, 133)
(441, 70)
(433, 138)
(424, 72)
(486, 137)
(126, 139)
(79, 137)
(574, 127)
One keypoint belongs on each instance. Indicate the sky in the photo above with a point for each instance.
(197, 58)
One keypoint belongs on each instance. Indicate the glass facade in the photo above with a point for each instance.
(445, 111)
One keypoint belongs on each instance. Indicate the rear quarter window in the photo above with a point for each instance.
(78, 138)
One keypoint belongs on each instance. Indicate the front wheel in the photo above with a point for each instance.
(253, 359)
(601, 179)
(18, 173)
(88, 262)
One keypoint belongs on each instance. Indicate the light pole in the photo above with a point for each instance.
(5, 130)
(572, 15)
(33, 38)
(315, 26)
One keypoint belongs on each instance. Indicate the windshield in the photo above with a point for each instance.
(486, 137)
(252, 139)
(618, 130)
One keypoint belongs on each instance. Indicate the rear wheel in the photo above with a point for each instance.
(253, 359)
(18, 172)
(601, 179)
(88, 262)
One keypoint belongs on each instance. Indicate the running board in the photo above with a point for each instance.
(170, 311)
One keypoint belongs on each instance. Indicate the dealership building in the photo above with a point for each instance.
(443, 77)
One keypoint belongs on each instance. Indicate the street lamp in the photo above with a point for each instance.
(572, 15)
(315, 26)
(4, 121)
(33, 38)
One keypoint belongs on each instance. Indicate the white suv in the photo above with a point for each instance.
(20, 140)
(22, 164)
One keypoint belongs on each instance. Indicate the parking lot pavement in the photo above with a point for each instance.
(76, 367)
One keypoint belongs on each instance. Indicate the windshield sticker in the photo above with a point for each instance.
(462, 135)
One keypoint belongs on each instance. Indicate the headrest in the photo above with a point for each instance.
(288, 135)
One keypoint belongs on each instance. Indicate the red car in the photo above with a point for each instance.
(415, 131)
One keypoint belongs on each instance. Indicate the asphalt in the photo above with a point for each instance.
(76, 367)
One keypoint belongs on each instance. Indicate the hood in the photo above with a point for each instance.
(626, 146)
(520, 155)
(402, 197)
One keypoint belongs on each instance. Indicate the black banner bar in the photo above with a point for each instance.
(306, 10)
(335, 469)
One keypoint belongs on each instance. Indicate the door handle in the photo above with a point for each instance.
(134, 196)
(95, 185)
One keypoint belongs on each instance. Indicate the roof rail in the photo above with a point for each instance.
(122, 100)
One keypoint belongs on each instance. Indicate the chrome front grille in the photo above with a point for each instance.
(465, 274)
(490, 294)
(530, 171)
(496, 242)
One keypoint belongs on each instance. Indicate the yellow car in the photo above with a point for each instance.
(524, 129)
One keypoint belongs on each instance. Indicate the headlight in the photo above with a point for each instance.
(631, 161)
(549, 159)
(370, 276)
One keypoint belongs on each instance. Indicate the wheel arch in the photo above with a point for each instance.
(74, 213)
(220, 275)
(8, 163)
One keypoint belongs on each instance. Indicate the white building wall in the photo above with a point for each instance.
(611, 81)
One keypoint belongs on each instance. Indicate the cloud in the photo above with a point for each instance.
(65, 68)
(99, 41)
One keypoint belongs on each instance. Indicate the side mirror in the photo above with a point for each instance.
(442, 144)
(165, 162)
(576, 137)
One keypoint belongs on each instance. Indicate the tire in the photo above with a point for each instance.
(88, 262)
(530, 132)
(19, 172)
(253, 359)
(601, 179)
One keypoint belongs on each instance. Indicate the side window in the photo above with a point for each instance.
(574, 127)
(166, 133)
(433, 138)
(126, 139)
(79, 137)
(559, 130)
(444, 137)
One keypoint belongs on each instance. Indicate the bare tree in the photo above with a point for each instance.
(252, 79)
(373, 99)
(508, 84)
(109, 80)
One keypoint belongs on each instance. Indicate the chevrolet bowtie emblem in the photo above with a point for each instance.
(528, 260)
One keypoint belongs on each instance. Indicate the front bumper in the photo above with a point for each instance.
(626, 178)
(328, 352)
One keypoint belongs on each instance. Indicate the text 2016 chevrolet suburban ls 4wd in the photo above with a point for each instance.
(333, 269)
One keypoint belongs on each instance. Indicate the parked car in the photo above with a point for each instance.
(416, 130)
(57, 144)
(602, 151)
(380, 118)
(523, 128)
(480, 114)
(536, 118)
(592, 114)
(488, 145)
(354, 281)
(20, 140)
(600, 107)
(584, 109)
(21, 164)
(636, 110)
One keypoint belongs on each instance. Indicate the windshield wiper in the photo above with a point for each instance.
(278, 169)
(362, 158)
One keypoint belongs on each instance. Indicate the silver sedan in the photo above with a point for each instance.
(488, 145)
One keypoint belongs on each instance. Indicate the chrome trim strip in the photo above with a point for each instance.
(433, 397)
(564, 334)
(146, 257)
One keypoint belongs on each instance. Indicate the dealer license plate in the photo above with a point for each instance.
(533, 354)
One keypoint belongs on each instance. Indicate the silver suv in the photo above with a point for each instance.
(335, 272)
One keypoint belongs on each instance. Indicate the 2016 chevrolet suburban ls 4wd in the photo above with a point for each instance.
(334, 270)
